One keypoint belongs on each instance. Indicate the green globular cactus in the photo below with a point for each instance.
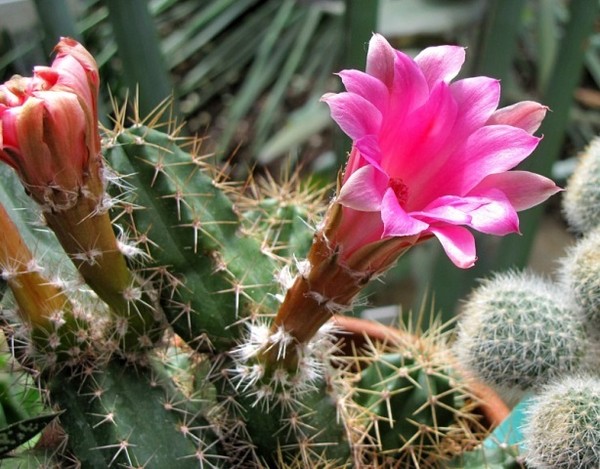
(580, 274)
(517, 333)
(413, 406)
(563, 430)
(582, 197)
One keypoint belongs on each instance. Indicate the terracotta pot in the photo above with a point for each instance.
(357, 332)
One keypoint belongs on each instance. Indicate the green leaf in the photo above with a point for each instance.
(21, 432)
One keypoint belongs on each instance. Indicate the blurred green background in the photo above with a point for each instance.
(249, 74)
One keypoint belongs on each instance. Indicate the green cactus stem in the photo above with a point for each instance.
(211, 276)
(135, 417)
(413, 408)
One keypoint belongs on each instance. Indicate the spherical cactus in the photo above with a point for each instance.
(563, 429)
(580, 273)
(582, 197)
(516, 334)
(412, 408)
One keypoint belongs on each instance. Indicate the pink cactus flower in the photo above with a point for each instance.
(49, 128)
(431, 157)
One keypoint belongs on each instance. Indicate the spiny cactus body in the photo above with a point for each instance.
(582, 197)
(580, 274)
(517, 333)
(409, 392)
(563, 430)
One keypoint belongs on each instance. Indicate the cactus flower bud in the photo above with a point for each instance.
(49, 130)
(49, 135)
(36, 297)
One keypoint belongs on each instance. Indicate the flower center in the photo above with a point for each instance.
(400, 189)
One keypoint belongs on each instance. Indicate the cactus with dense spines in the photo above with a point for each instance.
(580, 273)
(582, 197)
(517, 333)
(563, 431)
(407, 392)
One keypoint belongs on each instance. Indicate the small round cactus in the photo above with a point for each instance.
(517, 333)
(563, 429)
(580, 272)
(582, 197)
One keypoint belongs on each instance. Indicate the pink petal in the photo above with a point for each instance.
(396, 222)
(363, 190)
(495, 215)
(410, 89)
(354, 114)
(522, 188)
(489, 150)
(527, 115)
(441, 63)
(492, 214)
(477, 99)
(458, 243)
(367, 86)
(370, 150)
(413, 146)
(380, 60)
(64, 128)
(443, 210)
